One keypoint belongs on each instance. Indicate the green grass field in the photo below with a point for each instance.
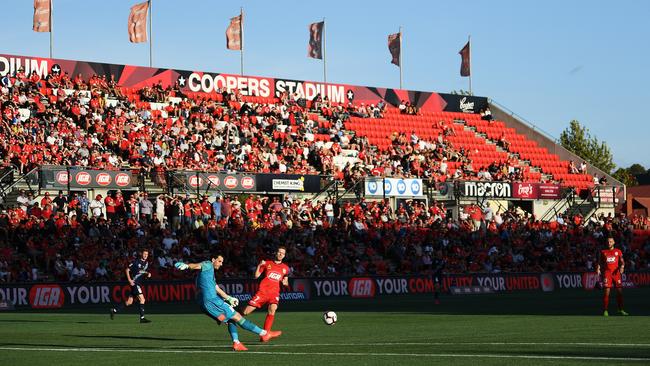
(560, 328)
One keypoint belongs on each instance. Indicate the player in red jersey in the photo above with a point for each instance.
(614, 266)
(275, 272)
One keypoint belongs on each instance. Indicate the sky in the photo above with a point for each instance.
(547, 61)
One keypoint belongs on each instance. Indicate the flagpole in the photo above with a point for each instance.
(241, 45)
(324, 56)
(401, 47)
(469, 41)
(150, 35)
(51, 27)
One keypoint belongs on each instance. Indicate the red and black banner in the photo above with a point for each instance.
(266, 87)
(465, 61)
(395, 47)
(315, 46)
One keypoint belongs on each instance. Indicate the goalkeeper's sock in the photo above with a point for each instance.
(249, 326)
(141, 311)
(268, 322)
(232, 329)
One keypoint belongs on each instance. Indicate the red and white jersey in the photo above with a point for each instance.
(611, 259)
(273, 274)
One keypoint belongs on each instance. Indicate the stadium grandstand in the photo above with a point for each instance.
(352, 180)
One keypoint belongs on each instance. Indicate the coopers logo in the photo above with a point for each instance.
(83, 178)
(62, 178)
(247, 85)
(230, 182)
(247, 182)
(362, 287)
(122, 179)
(103, 179)
(46, 297)
(465, 106)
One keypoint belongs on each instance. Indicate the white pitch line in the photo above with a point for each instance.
(451, 355)
(585, 344)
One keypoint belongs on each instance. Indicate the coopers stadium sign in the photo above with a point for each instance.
(268, 87)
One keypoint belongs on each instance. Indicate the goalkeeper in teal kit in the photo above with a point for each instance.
(216, 304)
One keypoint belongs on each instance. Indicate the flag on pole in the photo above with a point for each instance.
(233, 33)
(315, 47)
(42, 9)
(464, 65)
(395, 47)
(138, 23)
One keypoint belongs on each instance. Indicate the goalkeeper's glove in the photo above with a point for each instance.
(181, 266)
(233, 301)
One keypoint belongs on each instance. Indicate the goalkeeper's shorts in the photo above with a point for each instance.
(218, 310)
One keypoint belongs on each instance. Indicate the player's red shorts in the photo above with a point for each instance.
(612, 279)
(263, 297)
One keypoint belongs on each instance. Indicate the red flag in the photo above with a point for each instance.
(315, 47)
(138, 23)
(464, 65)
(395, 47)
(233, 33)
(42, 16)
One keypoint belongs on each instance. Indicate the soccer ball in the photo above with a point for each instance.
(329, 317)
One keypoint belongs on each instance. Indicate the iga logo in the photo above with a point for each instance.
(103, 179)
(195, 181)
(362, 287)
(62, 178)
(83, 178)
(230, 182)
(122, 179)
(247, 182)
(214, 180)
(46, 297)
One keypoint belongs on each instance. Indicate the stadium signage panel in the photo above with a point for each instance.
(288, 183)
(487, 189)
(209, 182)
(535, 191)
(59, 178)
(393, 187)
(268, 87)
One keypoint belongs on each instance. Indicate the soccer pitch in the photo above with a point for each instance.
(506, 329)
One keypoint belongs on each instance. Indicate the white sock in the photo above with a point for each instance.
(263, 333)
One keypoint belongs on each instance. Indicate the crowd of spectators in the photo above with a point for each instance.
(73, 241)
(71, 121)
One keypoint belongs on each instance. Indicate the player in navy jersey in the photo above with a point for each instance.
(135, 274)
